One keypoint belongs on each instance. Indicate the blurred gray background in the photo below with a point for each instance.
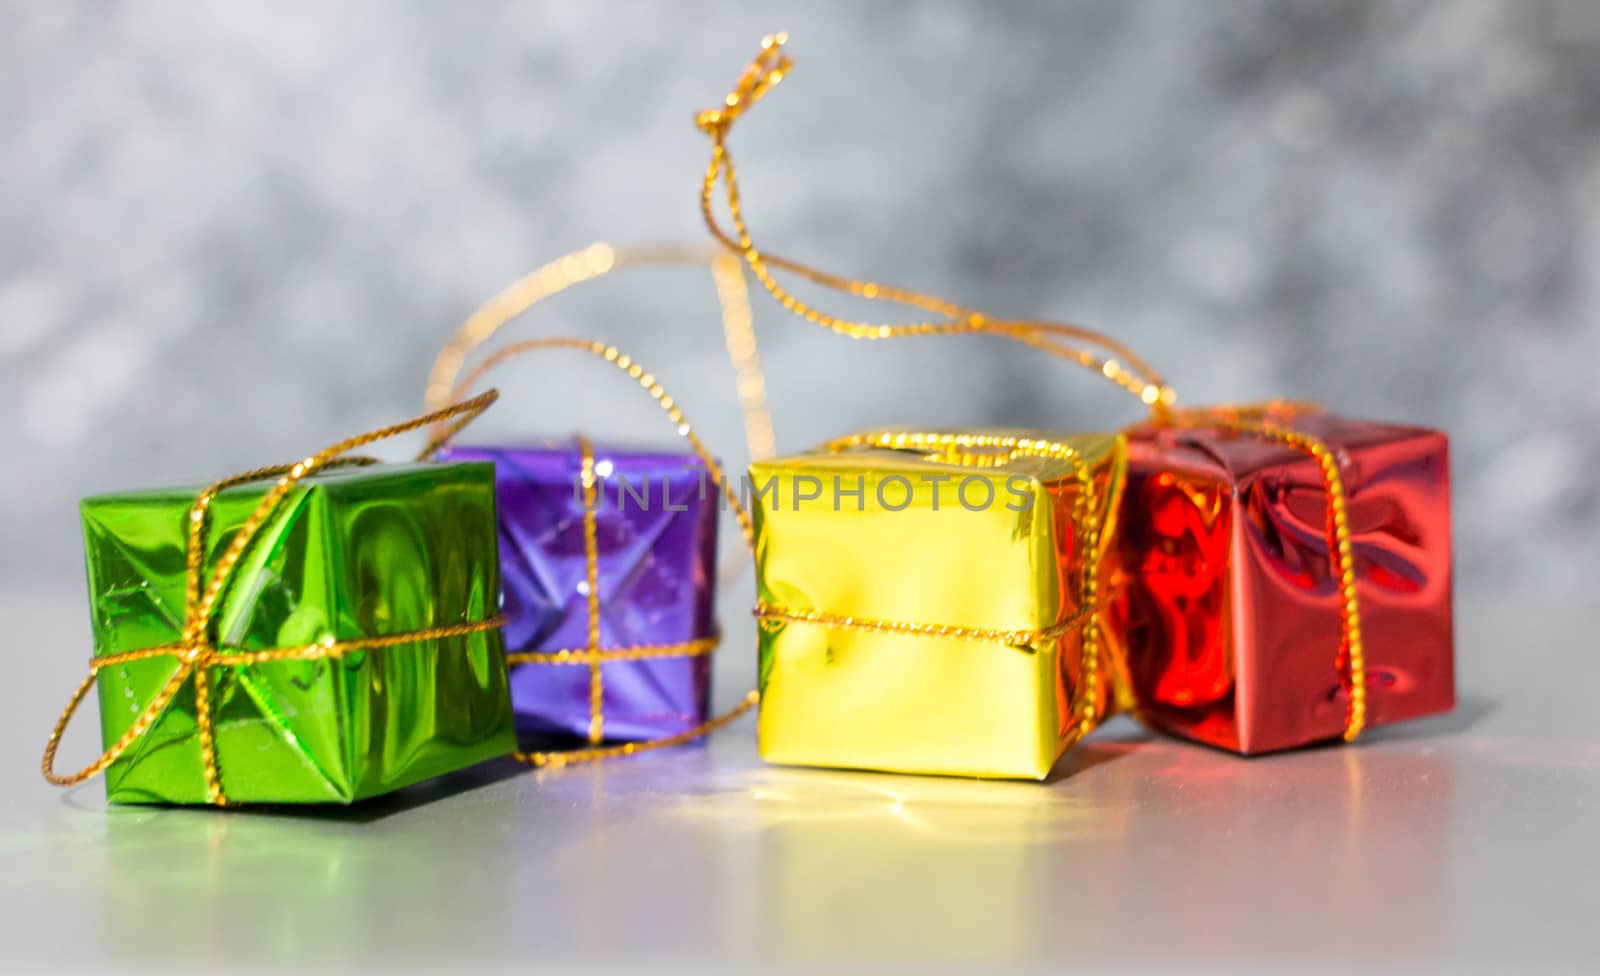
(232, 233)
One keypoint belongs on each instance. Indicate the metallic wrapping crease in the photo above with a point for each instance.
(351, 553)
(841, 697)
(656, 530)
(1230, 610)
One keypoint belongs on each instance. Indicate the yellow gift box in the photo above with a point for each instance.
(929, 602)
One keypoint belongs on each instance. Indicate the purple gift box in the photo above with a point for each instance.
(656, 538)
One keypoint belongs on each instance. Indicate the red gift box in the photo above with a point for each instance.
(1232, 608)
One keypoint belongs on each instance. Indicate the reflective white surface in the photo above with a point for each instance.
(1465, 842)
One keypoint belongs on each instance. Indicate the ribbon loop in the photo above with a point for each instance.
(135, 732)
(595, 261)
(1092, 350)
(647, 380)
(196, 653)
(759, 77)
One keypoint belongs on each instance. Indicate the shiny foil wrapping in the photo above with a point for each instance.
(1231, 613)
(656, 532)
(833, 695)
(350, 553)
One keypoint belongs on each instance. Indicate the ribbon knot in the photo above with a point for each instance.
(759, 77)
(198, 654)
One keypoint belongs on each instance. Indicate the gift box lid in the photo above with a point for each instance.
(555, 459)
(1230, 453)
(921, 452)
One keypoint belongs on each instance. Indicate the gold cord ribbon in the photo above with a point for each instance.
(1090, 349)
(592, 654)
(197, 651)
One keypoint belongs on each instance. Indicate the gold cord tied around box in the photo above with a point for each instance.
(198, 652)
(1258, 420)
(976, 450)
(592, 654)
(1092, 350)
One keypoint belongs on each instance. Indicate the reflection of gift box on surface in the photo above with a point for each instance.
(1233, 612)
(925, 600)
(351, 555)
(655, 535)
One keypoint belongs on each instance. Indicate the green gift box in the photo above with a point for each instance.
(351, 648)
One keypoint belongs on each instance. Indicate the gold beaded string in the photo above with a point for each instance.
(1131, 372)
(197, 653)
(638, 652)
(593, 655)
(591, 590)
(1115, 361)
(1021, 640)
